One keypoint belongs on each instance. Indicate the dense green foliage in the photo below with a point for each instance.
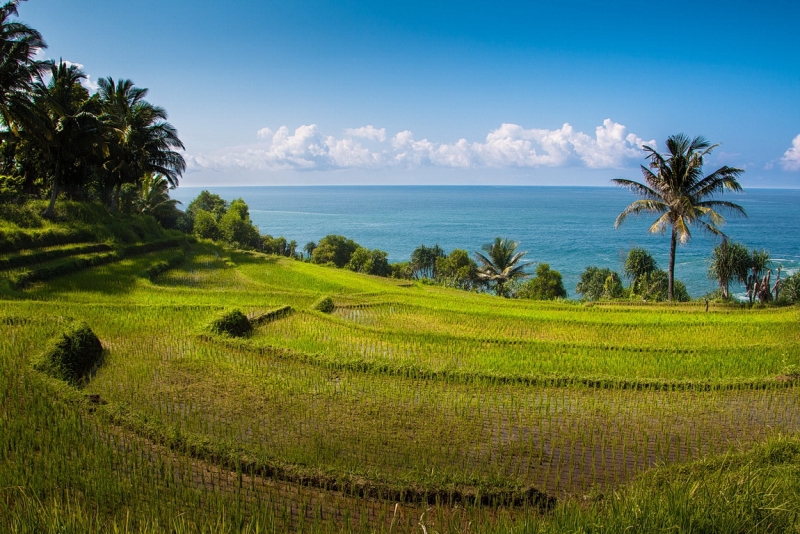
(233, 323)
(364, 260)
(325, 305)
(72, 354)
(501, 265)
(546, 285)
(58, 139)
(334, 249)
(599, 283)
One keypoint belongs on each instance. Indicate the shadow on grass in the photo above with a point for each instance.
(114, 279)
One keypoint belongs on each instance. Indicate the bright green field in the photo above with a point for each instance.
(404, 390)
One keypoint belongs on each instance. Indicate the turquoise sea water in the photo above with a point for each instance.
(568, 227)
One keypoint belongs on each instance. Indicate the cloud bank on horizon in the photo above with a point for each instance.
(367, 147)
(791, 158)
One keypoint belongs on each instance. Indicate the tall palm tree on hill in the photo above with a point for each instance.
(67, 129)
(141, 140)
(501, 264)
(675, 188)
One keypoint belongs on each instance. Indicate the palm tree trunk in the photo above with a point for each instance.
(673, 243)
(50, 212)
(115, 191)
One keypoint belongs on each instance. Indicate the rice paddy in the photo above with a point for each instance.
(409, 408)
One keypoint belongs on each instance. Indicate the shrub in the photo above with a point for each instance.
(233, 323)
(546, 285)
(71, 355)
(325, 305)
(597, 283)
(364, 260)
(235, 227)
(790, 289)
(205, 225)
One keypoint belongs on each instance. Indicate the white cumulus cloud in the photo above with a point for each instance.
(367, 132)
(791, 158)
(510, 145)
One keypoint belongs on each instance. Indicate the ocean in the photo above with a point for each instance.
(568, 227)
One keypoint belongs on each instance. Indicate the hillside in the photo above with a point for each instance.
(408, 407)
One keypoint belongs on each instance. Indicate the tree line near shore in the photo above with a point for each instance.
(498, 268)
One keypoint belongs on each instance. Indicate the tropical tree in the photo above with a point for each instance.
(19, 44)
(597, 283)
(141, 139)
(423, 261)
(653, 287)
(457, 269)
(758, 281)
(546, 285)
(364, 260)
(335, 249)
(675, 188)
(309, 248)
(236, 228)
(153, 199)
(790, 289)
(729, 261)
(278, 246)
(638, 264)
(205, 225)
(501, 264)
(68, 129)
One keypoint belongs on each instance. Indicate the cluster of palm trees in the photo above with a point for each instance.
(61, 139)
(674, 187)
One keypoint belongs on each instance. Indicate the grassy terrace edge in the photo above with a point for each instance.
(422, 372)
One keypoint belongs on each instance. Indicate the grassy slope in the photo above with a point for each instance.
(283, 396)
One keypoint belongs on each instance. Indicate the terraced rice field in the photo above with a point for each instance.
(406, 401)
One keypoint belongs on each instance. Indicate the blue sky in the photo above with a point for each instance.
(354, 92)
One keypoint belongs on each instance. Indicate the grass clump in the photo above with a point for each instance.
(72, 354)
(325, 305)
(233, 323)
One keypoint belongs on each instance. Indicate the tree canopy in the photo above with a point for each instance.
(60, 139)
(501, 264)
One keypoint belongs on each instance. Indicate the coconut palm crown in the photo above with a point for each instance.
(19, 44)
(501, 264)
(675, 188)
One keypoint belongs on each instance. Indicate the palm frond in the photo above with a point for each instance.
(638, 206)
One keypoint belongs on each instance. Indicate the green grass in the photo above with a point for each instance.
(452, 404)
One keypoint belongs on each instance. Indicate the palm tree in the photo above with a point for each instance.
(637, 266)
(140, 138)
(729, 261)
(309, 248)
(19, 44)
(154, 195)
(501, 265)
(676, 188)
(67, 128)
